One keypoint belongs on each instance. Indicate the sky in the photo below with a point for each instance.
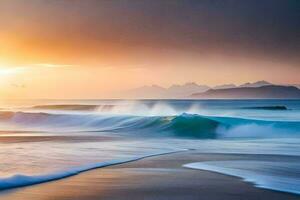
(101, 48)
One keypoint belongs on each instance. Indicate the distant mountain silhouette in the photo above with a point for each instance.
(259, 89)
(153, 91)
(263, 92)
(225, 86)
(296, 85)
(256, 84)
(186, 89)
(174, 91)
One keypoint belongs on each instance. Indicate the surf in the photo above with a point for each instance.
(20, 180)
(182, 125)
(279, 176)
(141, 128)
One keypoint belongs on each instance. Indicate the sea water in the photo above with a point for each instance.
(109, 132)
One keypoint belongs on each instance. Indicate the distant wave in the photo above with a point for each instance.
(183, 125)
(74, 107)
(267, 108)
(26, 180)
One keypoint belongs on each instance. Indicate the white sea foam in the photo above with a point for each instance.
(280, 176)
(25, 180)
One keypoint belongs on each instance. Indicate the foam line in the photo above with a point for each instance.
(277, 182)
(25, 180)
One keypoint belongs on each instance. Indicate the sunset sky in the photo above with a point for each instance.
(99, 48)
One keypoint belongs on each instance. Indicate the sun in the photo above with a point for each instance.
(4, 71)
(8, 74)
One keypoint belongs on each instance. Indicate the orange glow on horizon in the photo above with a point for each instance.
(92, 51)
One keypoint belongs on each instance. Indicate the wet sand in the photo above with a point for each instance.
(155, 178)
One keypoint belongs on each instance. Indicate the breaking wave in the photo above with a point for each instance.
(183, 125)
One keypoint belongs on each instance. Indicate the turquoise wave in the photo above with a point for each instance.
(184, 125)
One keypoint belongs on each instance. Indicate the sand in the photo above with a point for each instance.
(161, 177)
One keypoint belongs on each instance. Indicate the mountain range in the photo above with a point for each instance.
(261, 92)
(174, 91)
(259, 89)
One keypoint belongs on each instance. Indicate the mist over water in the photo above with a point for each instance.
(219, 118)
(110, 131)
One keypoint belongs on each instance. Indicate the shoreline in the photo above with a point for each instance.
(20, 181)
(156, 177)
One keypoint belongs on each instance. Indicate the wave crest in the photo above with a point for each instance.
(184, 125)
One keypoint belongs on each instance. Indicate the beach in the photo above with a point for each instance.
(158, 177)
(149, 100)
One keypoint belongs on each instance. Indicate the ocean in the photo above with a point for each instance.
(46, 140)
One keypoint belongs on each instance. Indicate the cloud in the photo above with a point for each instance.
(22, 86)
(8, 70)
(49, 65)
